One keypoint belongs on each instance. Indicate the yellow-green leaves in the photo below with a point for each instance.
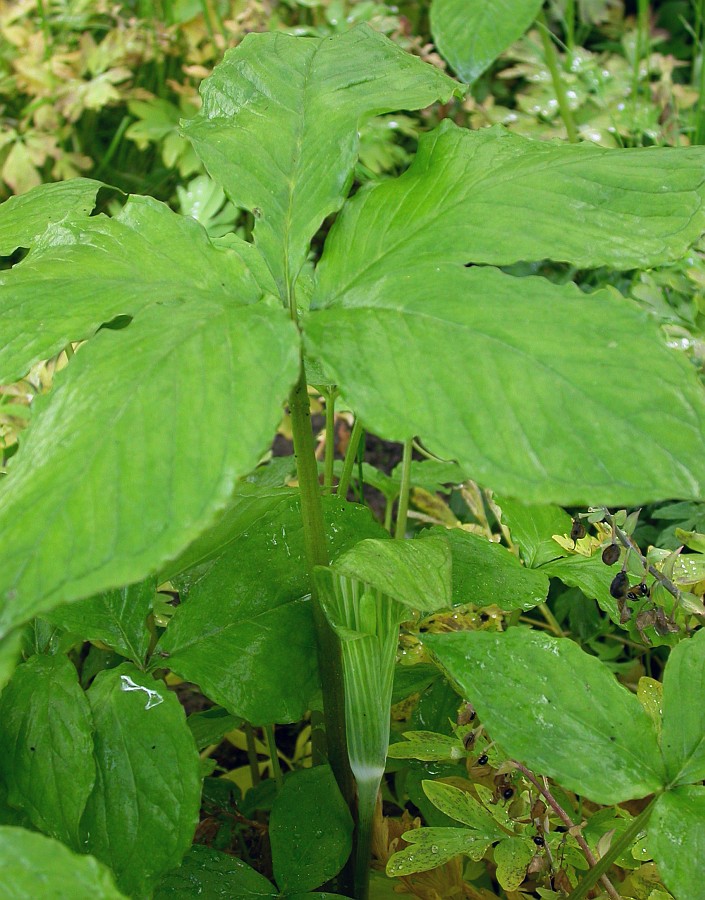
(278, 127)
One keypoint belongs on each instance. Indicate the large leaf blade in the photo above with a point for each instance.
(37, 866)
(119, 512)
(279, 122)
(556, 709)
(24, 217)
(677, 839)
(471, 35)
(46, 741)
(143, 811)
(536, 409)
(683, 734)
(83, 272)
(245, 632)
(490, 196)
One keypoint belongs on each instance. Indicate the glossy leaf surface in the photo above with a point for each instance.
(117, 618)
(310, 830)
(36, 866)
(46, 746)
(485, 573)
(513, 857)
(545, 701)
(278, 128)
(432, 847)
(145, 255)
(490, 196)
(25, 216)
(683, 730)
(143, 811)
(463, 807)
(207, 873)
(676, 838)
(470, 34)
(532, 527)
(9, 656)
(416, 573)
(118, 514)
(245, 634)
(543, 389)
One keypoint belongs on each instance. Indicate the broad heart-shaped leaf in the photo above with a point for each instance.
(117, 618)
(416, 573)
(210, 874)
(46, 746)
(245, 632)
(676, 838)
(490, 196)
(84, 272)
(522, 382)
(683, 734)
(556, 709)
(310, 830)
(485, 573)
(532, 527)
(136, 449)
(279, 126)
(143, 811)
(36, 866)
(9, 655)
(25, 217)
(470, 34)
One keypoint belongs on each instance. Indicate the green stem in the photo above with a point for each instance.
(402, 511)
(388, 511)
(558, 86)
(330, 442)
(699, 136)
(273, 755)
(315, 547)
(570, 25)
(112, 147)
(350, 457)
(617, 848)
(551, 619)
(251, 753)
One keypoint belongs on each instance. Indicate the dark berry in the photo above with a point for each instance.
(610, 554)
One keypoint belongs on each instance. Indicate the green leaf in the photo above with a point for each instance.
(211, 725)
(245, 634)
(471, 35)
(279, 125)
(512, 857)
(9, 656)
(25, 217)
(535, 350)
(117, 618)
(125, 491)
(432, 847)
(462, 807)
(677, 840)
(426, 745)
(310, 830)
(46, 746)
(485, 573)
(416, 573)
(556, 709)
(683, 728)
(208, 873)
(490, 196)
(143, 811)
(532, 527)
(590, 575)
(144, 256)
(36, 866)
